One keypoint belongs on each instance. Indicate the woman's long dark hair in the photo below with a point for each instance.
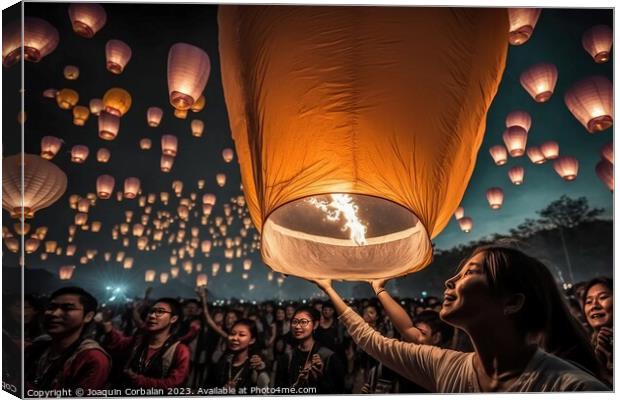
(545, 316)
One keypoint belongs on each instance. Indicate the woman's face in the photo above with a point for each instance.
(218, 318)
(240, 338)
(599, 306)
(230, 319)
(370, 315)
(279, 314)
(302, 325)
(467, 297)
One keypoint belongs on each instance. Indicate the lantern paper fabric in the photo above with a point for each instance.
(40, 39)
(103, 155)
(466, 224)
(80, 115)
(550, 150)
(567, 167)
(87, 18)
(108, 125)
(67, 98)
(117, 101)
(539, 81)
(522, 23)
(95, 105)
(591, 102)
(153, 116)
(188, 71)
(605, 171)
(499, 154)
(597, 41)
(495, 197)
(117, 54)
(519, 118)
(50, 146)
(536, 155)
(71, 72)
(459, 213)
(105, 186)
(325, 111)
(516, 174)
(79, 153)
(44, 183)
(515, 139)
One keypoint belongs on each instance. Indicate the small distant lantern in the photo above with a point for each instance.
(70, 250)
(80, 218)
(163, 277)
(103, 155)
(539, 81)
(605, 171)
(66, 272)
(519, 118)
(550, 150)
(495, 197)
(522, 23)
(535, 155)
(466, 224)
(105, 186)
(95, 226)
(80, 115)
(131, 187)
(597, 41)
(201, 280)
(516, 174)
(128, 263)
(117, 101)
(87, 18)
(145, 144)
(607, 152)
(567, 167)
(108, 125)
(220, 179)
(197, 127)
(96, 106)
(50, 145)
(71, 72)
(227, 155)
(67, 98)
(499, 154)
(149, 275)
(117, 54)
(591, 102)
(153, 116)
(169, 145)
(50, 93)
(79, 153)
(166, 163)
(458, 214)
(515, 139)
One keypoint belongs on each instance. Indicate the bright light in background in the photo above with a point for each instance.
(343, 205)
(116, 293)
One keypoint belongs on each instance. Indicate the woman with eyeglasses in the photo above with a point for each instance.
(152, 358)
(242, 366)
(525, 339)
(309, 364)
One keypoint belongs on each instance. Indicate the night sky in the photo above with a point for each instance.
(150, 30)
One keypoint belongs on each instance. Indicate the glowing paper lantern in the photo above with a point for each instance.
(12, 244)
(169, 145)
(522, 23)
(535, 155)
(247, 264)
(312, 158)
(197, 127)
(550, 150)
(117, 101)
(519, 118)
(515, 139)
(220, 179)
(79, 153)
(95, 105)
(145, 144)
(201, 280)
(166, 163)
(153, 116)
(87, 18)
(103, 155)
(66, 272)
(597, 41)
(44, 183)
(131, 187)
(499, 154)
(516, 174)
(539, 81)
(70, 250)
(188, 71)
(227, 155)
(591, 102)
(605, 171)
(181, 114)
(117, 54)
(71, 72)
(95, 226)
(105, 186)
(40, 39)
(80, 115)
(149, 275)
(50, 146)
(495, 197)
(607, 152)
(208, 198)
(567, 167)
(50, 93)
(67, 98)
(108, 125)
(128, 263)
(466, 224)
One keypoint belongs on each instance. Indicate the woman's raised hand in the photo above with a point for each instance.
(323, 283)
(377, 284)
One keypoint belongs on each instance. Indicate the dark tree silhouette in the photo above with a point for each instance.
(568, 213)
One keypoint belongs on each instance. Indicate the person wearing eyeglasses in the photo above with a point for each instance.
(154, 357)
(65, 357)
(309, 364)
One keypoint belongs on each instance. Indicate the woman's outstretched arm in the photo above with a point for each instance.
(399, 317)
(202, 292)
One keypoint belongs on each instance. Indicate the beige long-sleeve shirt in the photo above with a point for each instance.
(448, 371)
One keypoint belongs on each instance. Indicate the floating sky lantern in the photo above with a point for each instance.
(539, 81)
(95, 105)
(228, 155)
(50, 146)
(117, 54)
(220, 179)
(79, 153)
(201, 280)
(50, 246)
(128, 263)
(108, 125)
(149, 275)
(550, 150)
(567, 167)
(591, 102)
(519, 118)
(166, 163)
(499, 154)
(44, 183)
(199, 104)
(131, 187)
(145, 144)
(515, 139)
(605, 171)
(67, 98)
(597, 41)
(169, 145)
(466, 224)
(66, 272)
(535, 155)
(153, 116)
(522, 23)
(95, 226)
(188, 71)
(87, 18)
(80, 218)
(197, 127)
(103, 155)
(495, 197)
(117, 101)
(607, 152)
(71, 72)
(105, 186)
(12, 244)
(50, 93)
(40, 39)
(80, 115)
(180, 114)
(516, 174)
(316, 216)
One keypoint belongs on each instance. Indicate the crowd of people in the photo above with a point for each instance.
(503, 325)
